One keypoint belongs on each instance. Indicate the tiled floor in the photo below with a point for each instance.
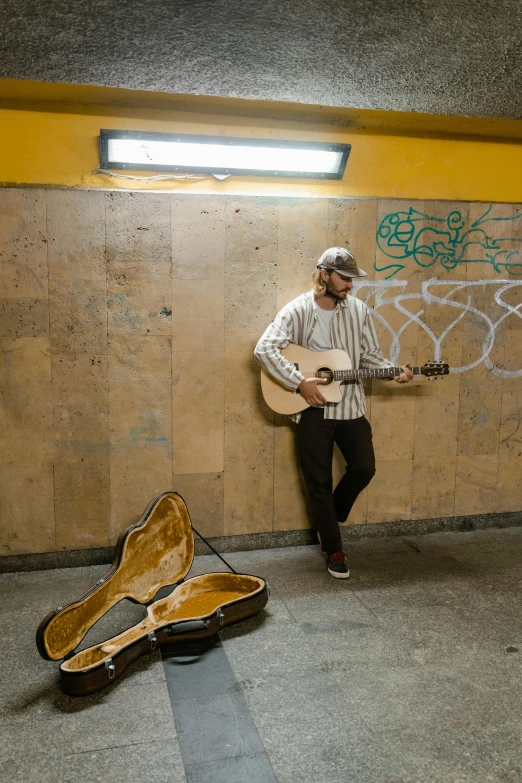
(410, 672)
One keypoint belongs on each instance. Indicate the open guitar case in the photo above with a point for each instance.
(155, 552)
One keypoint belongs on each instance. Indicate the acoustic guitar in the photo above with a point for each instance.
(336, 367)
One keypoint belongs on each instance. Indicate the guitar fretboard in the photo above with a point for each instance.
(354, 375)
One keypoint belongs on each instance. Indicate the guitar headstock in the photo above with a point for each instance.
(433, 370)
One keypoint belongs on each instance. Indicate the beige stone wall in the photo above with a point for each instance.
(127, 324)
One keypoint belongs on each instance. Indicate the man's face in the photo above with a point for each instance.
(338, 287)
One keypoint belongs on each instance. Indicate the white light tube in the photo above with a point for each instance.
(222, 156)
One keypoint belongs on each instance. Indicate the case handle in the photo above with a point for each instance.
(186, 626)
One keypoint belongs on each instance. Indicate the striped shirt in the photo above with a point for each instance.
(351, 329)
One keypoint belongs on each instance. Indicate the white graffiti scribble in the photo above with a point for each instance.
(380, 293)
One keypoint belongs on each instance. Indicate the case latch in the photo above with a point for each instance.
(111, 668)
(152, 640)
(221, 616)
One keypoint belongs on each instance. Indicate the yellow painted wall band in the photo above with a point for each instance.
(49, 137)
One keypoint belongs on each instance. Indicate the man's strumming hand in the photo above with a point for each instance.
(309, 390)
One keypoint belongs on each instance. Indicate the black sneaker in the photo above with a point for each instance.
(337, 565)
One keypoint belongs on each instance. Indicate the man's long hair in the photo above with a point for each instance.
(318, 284)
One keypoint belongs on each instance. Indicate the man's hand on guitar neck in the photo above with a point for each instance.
(310, 392)
(406, 375)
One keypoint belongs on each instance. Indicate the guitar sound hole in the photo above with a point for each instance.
(325, 372)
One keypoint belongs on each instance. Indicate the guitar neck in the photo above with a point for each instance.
(354, 375)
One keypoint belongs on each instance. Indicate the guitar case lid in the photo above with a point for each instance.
(155, 552)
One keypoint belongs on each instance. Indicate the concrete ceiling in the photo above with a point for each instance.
(444, 56)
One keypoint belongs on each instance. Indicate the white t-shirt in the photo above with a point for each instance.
(321, 340)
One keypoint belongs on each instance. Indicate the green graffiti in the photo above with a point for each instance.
(447, 241)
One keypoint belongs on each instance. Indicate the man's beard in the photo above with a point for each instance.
(338, 296)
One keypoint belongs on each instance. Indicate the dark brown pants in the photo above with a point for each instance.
(316, 437)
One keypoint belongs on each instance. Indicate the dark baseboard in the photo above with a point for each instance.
(103, 556)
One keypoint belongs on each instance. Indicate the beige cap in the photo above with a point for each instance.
(340, 260)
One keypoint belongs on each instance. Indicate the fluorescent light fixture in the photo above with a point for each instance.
(135, 151)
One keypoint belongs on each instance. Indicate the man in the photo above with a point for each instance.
(324, 318)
